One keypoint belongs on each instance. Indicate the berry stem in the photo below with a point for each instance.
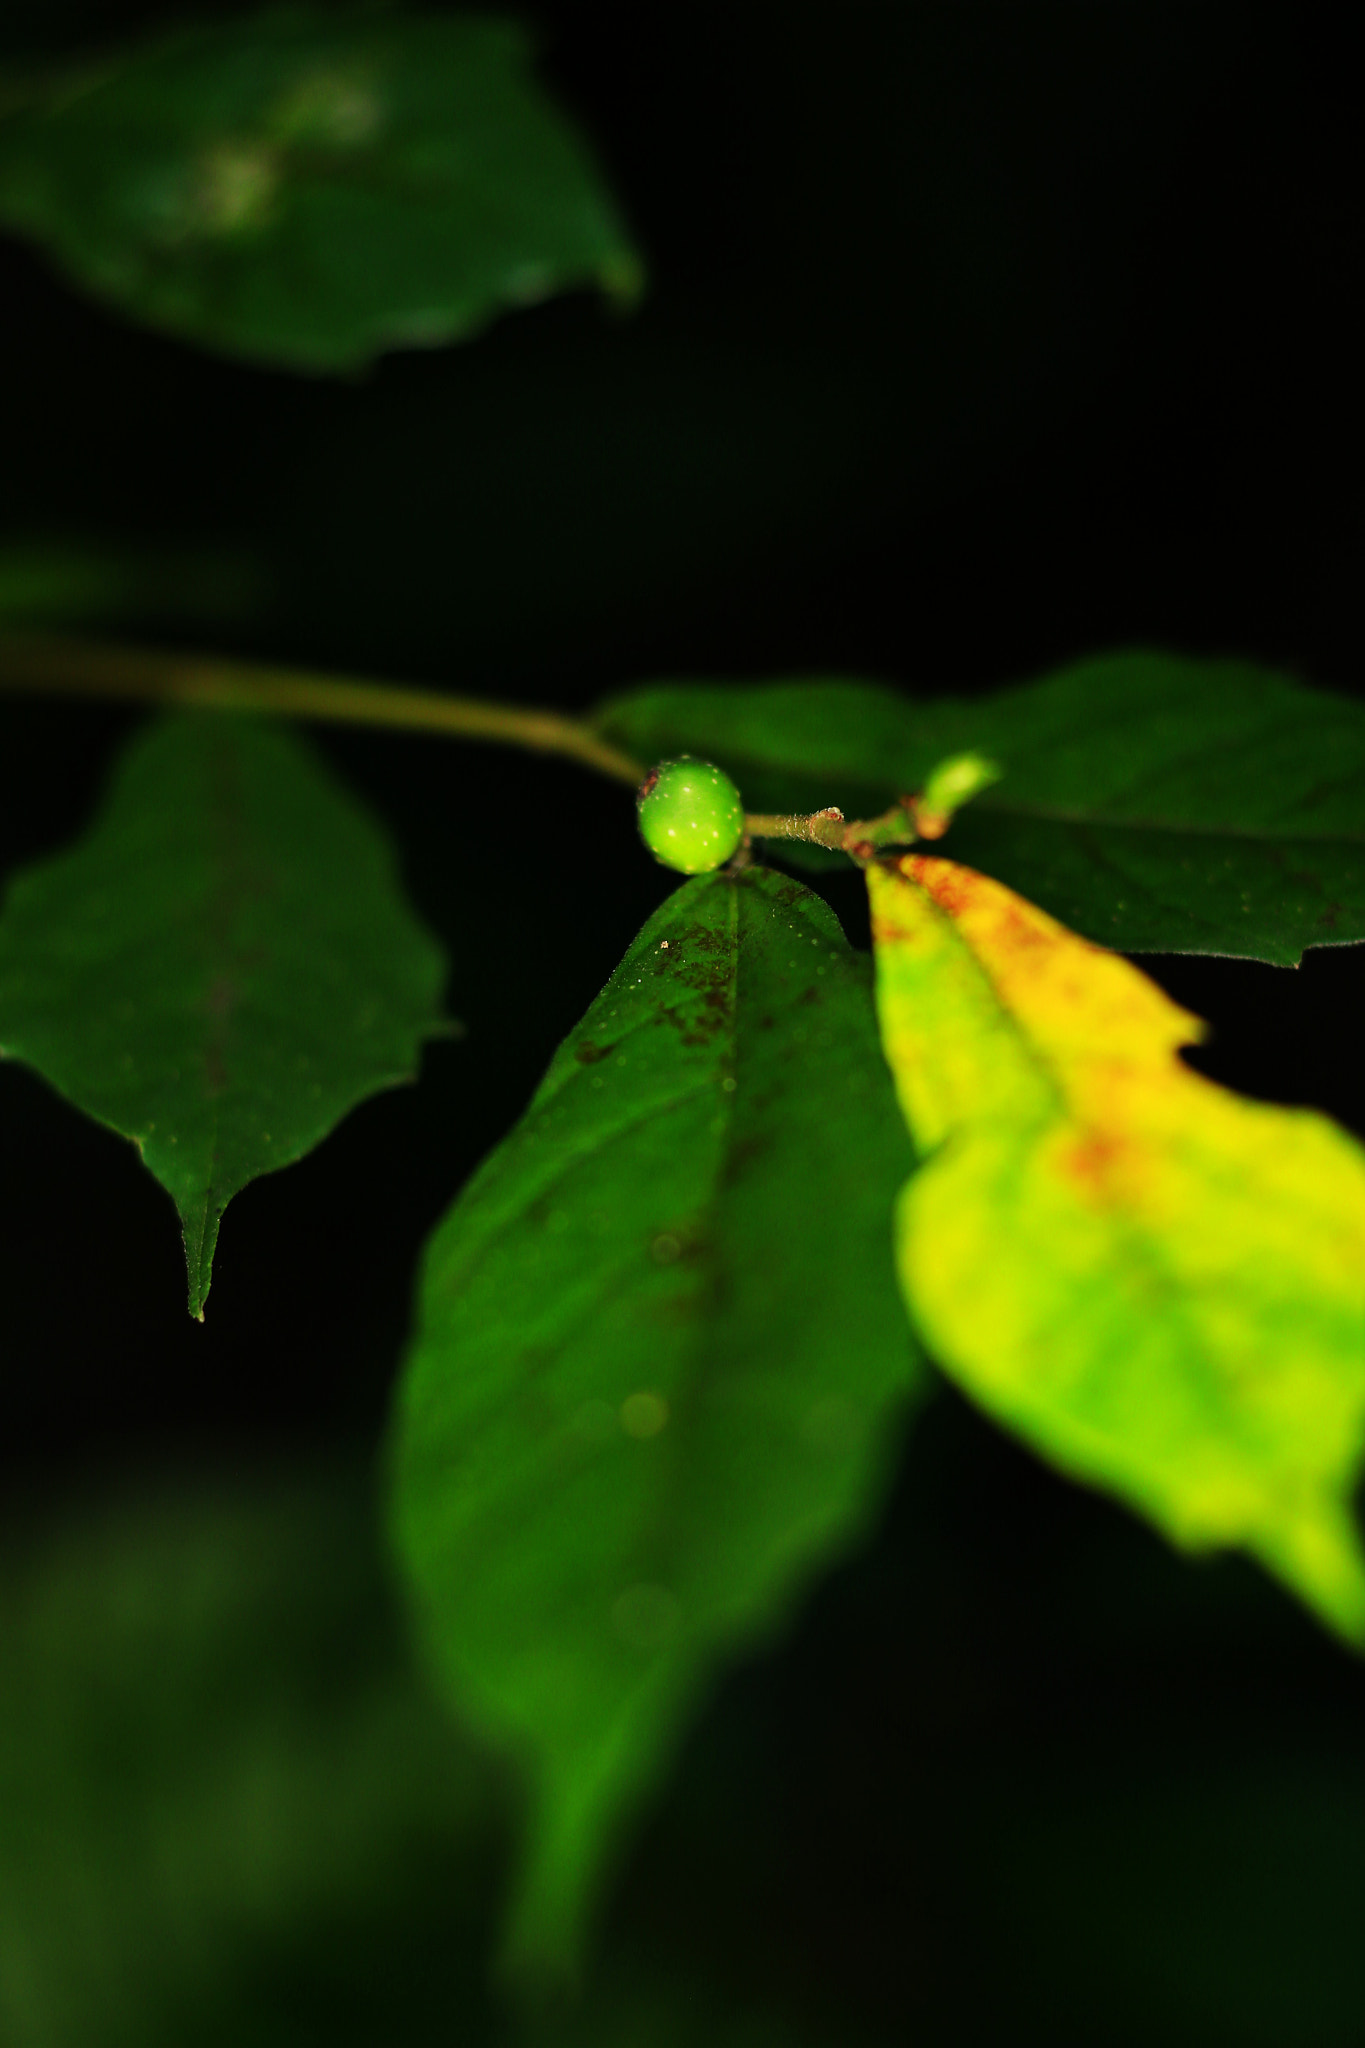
(55, 664)
(821, 828)
(860, 838)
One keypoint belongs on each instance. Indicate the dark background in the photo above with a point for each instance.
(979, 336)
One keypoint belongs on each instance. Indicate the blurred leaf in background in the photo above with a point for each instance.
(222, 1793)
(230, 1812)
(98, 582)
(309, 188)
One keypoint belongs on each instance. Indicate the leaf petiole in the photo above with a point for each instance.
(860, 838)
(924, 816)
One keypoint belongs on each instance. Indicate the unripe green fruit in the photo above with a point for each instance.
(691, 815)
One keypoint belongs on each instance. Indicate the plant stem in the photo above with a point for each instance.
(55, 664)
(821, 828)
(859, 838)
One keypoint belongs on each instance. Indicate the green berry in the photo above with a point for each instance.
(691, 815)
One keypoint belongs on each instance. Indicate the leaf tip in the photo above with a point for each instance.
(199, 1294)
(199, 1260)
(1317, 1554)
(621, 278)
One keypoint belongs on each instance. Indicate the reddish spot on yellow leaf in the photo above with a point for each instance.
(1093, 1160)
(1158, 1284)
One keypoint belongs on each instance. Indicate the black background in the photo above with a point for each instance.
(978, 336)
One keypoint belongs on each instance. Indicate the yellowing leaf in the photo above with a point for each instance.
(1160, 1285)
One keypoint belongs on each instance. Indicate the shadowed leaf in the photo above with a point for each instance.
(222, 968)
(228, 1809)
(310, 188)
(1159, 1285)
(93, 581)
(1156, 804)
(659, 1360)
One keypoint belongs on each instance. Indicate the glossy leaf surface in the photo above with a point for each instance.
(1155, 804)
(222, 968)
(309, 187)
(1159, 1285)
(660, 1360)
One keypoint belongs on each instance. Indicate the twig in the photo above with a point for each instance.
(54, 664)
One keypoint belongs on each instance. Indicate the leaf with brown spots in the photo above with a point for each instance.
(222, 968)
(1159, 1285)
(660, 1361)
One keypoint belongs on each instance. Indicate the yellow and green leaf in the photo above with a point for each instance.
(1159, 1285)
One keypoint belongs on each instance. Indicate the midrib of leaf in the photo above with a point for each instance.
(1136, 1241)
(600, 1139)
(518, 1551)
(665, 1504)
(230, 887)
(668, 1456)
(1036, 1058)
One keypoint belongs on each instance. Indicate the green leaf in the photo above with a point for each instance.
(224, 1795)
(1155, 803)
(659, 1361)
(309, 188)
(1159, 1285)
(222, 968)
